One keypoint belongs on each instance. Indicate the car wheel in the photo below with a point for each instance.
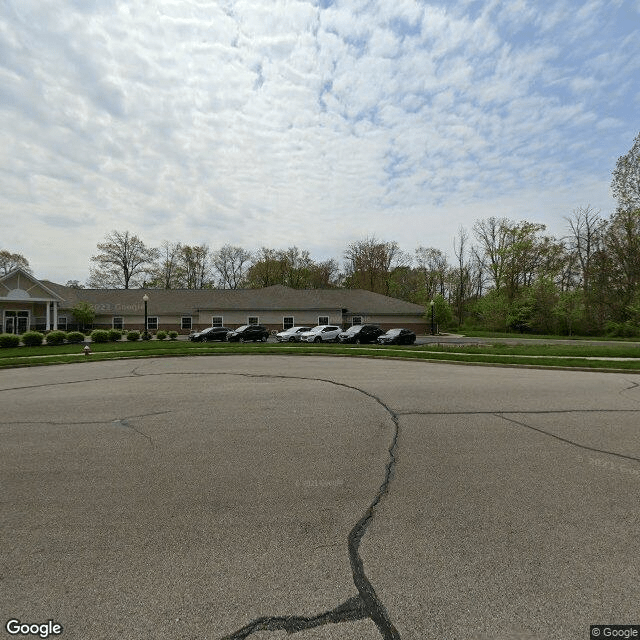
(317, 339)
(358, 341)
(292, 339)
(264, 338)
(241, 340)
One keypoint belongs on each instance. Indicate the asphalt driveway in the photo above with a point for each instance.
(258, 496)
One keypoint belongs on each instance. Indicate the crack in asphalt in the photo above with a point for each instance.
(573, 443)
(503, 416)
(366, 604)
(121, 422)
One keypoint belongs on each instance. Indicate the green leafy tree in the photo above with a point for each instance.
(84, 314)
(626, 178)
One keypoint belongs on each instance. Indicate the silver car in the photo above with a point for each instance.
(321, 333)
(291, 335)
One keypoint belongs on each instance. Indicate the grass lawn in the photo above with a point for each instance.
(536, 355)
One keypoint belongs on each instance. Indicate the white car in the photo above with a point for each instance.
(321, 333)
(292, 334)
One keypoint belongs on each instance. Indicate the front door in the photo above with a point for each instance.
(16, 321)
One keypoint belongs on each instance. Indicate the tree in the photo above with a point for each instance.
(165, 275)
(493, 233)
(433, 265)
(230, 264)
(265, 269)
(585, 239)
(84, 313)
(461, 274)
(370, 262)
(622, 248)
(124, 260)
(74, 284)
(194, 267)
(11, 261)
(626, 178)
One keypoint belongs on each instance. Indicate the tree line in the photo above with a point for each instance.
(505, 275)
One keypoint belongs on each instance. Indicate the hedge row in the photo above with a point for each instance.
(35, 338)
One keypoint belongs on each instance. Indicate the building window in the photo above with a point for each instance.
(356, 320)
(186, 323)
(323, 319)
(152, 323)
(287, 322)
(216, 321)
(62, 323)
(253, 320)
(118, 322)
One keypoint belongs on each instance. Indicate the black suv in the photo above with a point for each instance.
(210, 333)
(248, 332)
(361, 333)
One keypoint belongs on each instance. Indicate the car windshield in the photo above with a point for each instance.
(354, 329)
(242, 328)
(393, 332)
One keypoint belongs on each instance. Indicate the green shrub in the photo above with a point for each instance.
(146, 335)
(9, 340)
(32, 338)
(100, 335)
(75, 337)
(115, 335)
(173, 335)
(133, 335)
(55, 337)
(161, 335)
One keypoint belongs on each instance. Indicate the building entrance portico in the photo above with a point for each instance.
(26, 303)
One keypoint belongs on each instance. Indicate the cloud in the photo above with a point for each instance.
(307, 123)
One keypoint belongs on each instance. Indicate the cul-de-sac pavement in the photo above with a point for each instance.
(268, 497)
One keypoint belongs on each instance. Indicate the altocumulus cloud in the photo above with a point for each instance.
(305, 122)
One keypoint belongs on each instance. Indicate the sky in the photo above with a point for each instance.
(308, 123)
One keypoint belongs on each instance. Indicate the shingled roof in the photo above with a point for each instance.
(277, 297)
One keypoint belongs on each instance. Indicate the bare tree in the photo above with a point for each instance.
(124, 260)
(370, 262)
(493, 234)
(433, 265)
(586, 238)
(230, 264)
(166, 274)
(461, 274)
(194, 267)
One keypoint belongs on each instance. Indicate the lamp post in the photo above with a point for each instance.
(145, 333)
(433, 324)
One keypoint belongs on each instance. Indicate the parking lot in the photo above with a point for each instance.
(252, 496)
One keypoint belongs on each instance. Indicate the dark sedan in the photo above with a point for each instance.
(210, 334)
(249, 332)
(397, 336)
(361, 333)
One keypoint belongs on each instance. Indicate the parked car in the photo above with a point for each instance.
(321, 333)
(361, 333)
(210, 333)
(248, 332)
(397, 336)
(291, 335)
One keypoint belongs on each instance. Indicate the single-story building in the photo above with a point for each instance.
(27, 303)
